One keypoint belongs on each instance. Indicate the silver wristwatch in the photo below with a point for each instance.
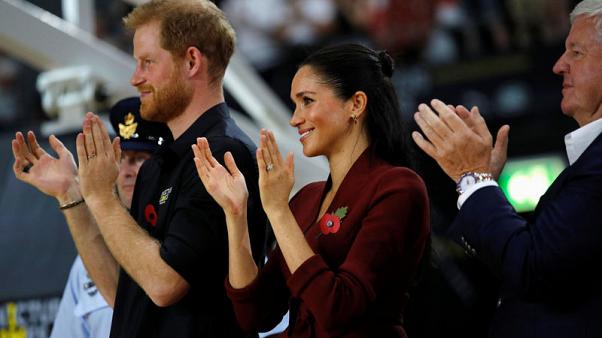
(470, 178)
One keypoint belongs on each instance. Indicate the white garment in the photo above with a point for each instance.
(466, 194)
(256, 22)
(577, 141)
(83, 312)
(265, 27)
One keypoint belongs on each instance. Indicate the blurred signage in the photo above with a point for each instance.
(28, 319)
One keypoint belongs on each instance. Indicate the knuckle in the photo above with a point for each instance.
(464, 134)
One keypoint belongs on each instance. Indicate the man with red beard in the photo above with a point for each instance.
(171, 248)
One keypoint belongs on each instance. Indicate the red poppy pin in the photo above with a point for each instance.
(330, 223)
(150, 214)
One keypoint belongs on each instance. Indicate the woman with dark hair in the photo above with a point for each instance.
(349, 247)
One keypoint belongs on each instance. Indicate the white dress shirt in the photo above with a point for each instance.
(577, 141)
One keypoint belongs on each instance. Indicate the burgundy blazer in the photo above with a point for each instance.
(356, 284)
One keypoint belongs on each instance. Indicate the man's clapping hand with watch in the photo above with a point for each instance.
(460, 142)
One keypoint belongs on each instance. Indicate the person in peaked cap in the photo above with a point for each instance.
(83, 311)
(139, 138)
(134, 132)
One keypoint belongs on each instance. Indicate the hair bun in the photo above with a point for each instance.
(386, 63)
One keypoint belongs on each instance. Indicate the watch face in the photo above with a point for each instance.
(467, 181)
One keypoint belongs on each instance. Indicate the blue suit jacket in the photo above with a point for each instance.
(549, 268)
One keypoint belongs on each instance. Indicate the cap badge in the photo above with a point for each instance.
(128, 129)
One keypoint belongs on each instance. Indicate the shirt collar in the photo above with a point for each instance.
(199, 128)
(577, 141)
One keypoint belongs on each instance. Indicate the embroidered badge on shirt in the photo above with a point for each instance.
(164, 195)
(330, 223)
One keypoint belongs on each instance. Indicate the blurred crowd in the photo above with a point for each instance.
(438, 31)
(274, 35)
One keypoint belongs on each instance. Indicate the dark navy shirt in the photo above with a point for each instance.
(171, 203)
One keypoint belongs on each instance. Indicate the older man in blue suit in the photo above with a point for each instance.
(548, 267)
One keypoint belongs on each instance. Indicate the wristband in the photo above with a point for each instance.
(71, 204)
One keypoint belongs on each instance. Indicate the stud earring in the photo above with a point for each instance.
(354, 118)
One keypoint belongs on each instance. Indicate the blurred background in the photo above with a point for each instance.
(59, 59)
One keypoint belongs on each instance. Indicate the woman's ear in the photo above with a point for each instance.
(358, 102)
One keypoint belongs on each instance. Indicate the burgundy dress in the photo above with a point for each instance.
(368, 247)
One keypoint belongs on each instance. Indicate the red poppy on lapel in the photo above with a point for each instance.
(331, 223)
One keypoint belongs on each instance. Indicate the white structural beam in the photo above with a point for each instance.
(80, 13)
(48, 42)
(243, 82)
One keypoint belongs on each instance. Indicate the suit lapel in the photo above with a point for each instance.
(567, 173)
(554, 188)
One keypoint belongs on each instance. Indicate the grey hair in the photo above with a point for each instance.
(591, 9)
